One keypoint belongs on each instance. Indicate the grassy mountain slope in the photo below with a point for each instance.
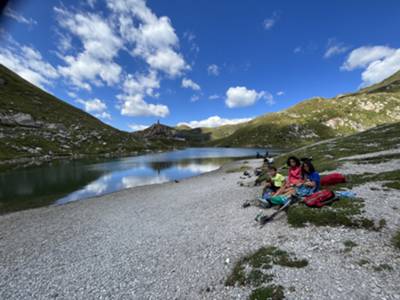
(327, 154)
(319, 118)
(35, 123)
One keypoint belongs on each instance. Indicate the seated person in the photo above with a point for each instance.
(294, 175)
(275, 181)
(311, 183)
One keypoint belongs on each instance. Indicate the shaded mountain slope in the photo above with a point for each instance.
(35, 123)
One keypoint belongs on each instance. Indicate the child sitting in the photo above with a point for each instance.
(311, 182)
(275, 182)
(294, 175)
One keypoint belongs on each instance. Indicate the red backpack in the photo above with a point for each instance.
(332, 179)
(320, 198)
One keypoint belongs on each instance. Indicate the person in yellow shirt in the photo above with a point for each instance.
(276, 180)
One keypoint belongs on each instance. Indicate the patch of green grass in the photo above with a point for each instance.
(259, 261)
(349, 245)
(237, 276)
(257, 277)
(265, 257)
(382, 223)
(396, 239)
(346, 212)
(393, 185)
(362, 262)
(376, 159)
(383, 267)
(392, 178)
(273, 292)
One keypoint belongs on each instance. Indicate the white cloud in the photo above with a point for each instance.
(271, 21)
(190, 84)
(91, 3)
(213, 70)
(134, 106)
(95, 105)
(378, 62)
(363, 56)
(298, 49)
(214, 121)
(280, 93)
(191, 37)
(18, 17)
(137, 127)
(72, 94)
(135, 89)
(214, 97)
(194, 98)
(104, 115)
(141, 84)
(95, 64)
(241, 96)
(151, 38)
(28, 63)
(334, 48)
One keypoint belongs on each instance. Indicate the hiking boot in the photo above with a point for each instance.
(246, 204)
(258, 217)
(264, 203)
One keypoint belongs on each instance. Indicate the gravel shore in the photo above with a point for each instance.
(180, 241)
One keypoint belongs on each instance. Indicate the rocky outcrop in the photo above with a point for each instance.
(158, 130)
(18, 119)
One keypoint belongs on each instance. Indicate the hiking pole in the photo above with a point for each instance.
(265, 219)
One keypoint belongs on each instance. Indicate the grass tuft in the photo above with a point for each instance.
(396, 239)
(273, 292)
(258, 262)
(362, 262)
(346, 212)
(349, 245)
(383, 267)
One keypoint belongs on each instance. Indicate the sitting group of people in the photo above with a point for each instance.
(302, 181)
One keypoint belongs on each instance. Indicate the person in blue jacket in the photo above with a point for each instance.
(310, 184)
(312, 180)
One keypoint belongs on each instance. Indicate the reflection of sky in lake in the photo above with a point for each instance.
(144, 174)
(64, 181)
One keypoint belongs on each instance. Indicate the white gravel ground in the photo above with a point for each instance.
(180, 241)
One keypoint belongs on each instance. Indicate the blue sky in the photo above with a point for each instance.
(203, 63)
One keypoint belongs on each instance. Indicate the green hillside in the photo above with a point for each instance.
(34, 123)
(319, 118)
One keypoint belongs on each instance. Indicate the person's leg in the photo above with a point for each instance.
(290, 192)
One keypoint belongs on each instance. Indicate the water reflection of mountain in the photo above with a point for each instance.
(161, 165)
(28, 188)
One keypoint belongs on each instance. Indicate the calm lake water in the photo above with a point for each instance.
(65, 181)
